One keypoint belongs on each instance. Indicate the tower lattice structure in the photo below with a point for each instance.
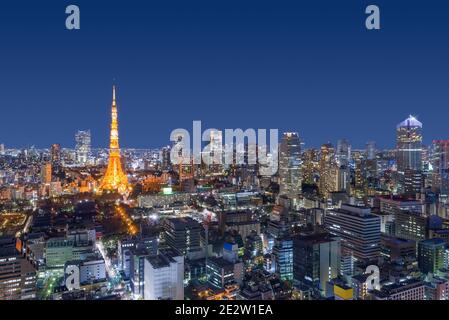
(115, 178)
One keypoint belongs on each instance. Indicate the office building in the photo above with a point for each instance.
(290, 178)
(440, 167)
(283, 257)
(431, 254)
(83, 147)
(316, 258)
(17, 275)
(164, 276)
(183, 234)
(125, 247)
(55, 153)
(407, 290)
(46, 173)
(410, 225)
(408, 149)
(358, 229)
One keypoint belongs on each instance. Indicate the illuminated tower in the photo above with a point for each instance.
(290, 179)
(409, 156)
(115, 178)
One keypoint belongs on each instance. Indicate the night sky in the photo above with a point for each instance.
(307, 66)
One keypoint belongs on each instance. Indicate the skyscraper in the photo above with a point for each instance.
(164, 276)
(440, 166)
(358, 229)
(409, 155)
(283, 257)
(370, 150)
(17, 274)
(328, 169)
(409, 145)
(55, 153)
(46, 173)
(343, 152)
(290, 179)
(115, 178)
(83, 148)
(431, 255)
(183, 234)
(316, 258)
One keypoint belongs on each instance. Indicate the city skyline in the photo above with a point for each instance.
(304, 144)
(190, 152)
(311, 68)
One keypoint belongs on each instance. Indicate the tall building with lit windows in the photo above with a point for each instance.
(343, 153)
(83, 146)
(55, 154)
(316, 258)
(17, 274)
(328, 169)
(183, 234)
(358, 229)
(46, 173)
(290, 178)
(164, 276)
(409, 154)
(440, 167)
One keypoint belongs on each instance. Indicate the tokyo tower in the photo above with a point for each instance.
(115, 178)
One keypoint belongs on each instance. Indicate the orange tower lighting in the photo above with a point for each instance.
(115, 178)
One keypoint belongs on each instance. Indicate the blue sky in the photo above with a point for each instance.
(306, 66)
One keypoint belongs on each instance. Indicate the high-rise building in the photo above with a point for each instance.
(410, 225)
(283, 257)
(309, 166)
(290, 179)
(431, 255)
(328, 169)
(164, 276)
(137, 270)
(2, 149)
(46, 173)
(358, 229)
(408, 150)
(55, 154)
(183, 234)
(440, 167)
(316, 258)
(165, 158)
(83, 147)
(343, 154)
(370, 161)
(213, 153)
(370, 150)
(17, 274)
(226, 270)
(127, 246)
(115, 178)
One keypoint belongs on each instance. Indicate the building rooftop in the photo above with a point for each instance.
(164, 258)
(411, 121)
(433, 241)
(183, 223)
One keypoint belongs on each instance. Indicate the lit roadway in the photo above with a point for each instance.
(115, 279)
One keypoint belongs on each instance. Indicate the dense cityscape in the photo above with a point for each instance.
(333, 223)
